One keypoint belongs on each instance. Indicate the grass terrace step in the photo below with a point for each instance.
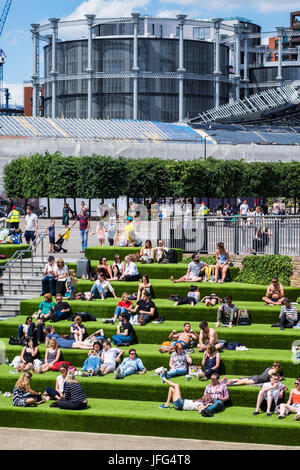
(260, 313)
(240, 363)
(163, 288)
(147, 387)
(139, 417)
(160, 271)
(95, 252)
(255, 335)
(9, 249)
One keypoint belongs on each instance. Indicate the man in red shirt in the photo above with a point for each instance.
(84, 227)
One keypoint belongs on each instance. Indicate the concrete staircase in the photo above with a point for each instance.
(20, 287)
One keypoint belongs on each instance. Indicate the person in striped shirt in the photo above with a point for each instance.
(288, 315)
(74, 397)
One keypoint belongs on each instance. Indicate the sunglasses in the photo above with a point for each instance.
(297, 383)
(133, 353)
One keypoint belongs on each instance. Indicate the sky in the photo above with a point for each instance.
(16, 37)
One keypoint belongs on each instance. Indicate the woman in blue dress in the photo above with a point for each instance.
(222, 260)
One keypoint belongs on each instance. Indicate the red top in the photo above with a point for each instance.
(295, 398)
(125, 304)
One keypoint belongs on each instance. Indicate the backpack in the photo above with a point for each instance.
(171, 256)
(57, 364)
(209, 273)
(243, 317)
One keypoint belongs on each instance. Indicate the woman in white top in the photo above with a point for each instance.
(118, 267)
(146, 253)
(61, 275)
(131, 272)
(109, 358)
(59, 386)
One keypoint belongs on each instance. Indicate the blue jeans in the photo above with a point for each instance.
(58, 315)
(30, 332)
(120, 310)
(127, 370)
(175, 372)
(218, 405)
(84, 239)
(48, 284)
(97, 291)
(117, 339)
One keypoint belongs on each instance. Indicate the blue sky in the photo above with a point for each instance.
(16, 38)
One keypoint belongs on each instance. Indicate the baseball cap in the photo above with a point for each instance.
(130, 219)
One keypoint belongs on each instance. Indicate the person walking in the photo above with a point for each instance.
(84, 226)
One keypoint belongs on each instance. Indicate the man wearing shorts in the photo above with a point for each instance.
(274, 294)
(207, 336)
(212, 401)
(195, 268)
(31, 226)
(183, 338)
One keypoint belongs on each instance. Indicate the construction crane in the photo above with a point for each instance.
(3, 18)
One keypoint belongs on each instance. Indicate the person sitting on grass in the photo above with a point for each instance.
(77, 329)
(227, 313)
(109, 358)
(64, 343)
(270, 392)
(145, 285)
(293, 403)
(274, 294)
(93, 362)
(124, 306)
(146, 309)
(211, 300)
(288, 317)
(101, 288)
(192, 298)
(211, 361)
(130, 365)
(97, 336)
(105, 268)
(73, 398)
(118, 267)
(222, 260)
(207, 336)
(28, 355)
(45, 306)
(195, 268)
(58, 392)
(27, 329)
(131, 272)
(125, 332)
(52, 355)
(257, 379)
(215, 395)
(184, 338)
(23, 395)
(179, 362)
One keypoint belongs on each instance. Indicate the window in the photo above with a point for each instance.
(201, 33)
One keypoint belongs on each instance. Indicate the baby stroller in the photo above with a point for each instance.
(59, 242)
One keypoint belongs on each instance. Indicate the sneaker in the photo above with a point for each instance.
(269, 414)
(255, 413)
(163, 406)
(207, 413)
(100, 373)
(118, 374)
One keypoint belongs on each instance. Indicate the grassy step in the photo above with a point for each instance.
(140, 417)
(9, 249)
(240, 363)
(147, 387)
(255, 335)
(163, 288)
(260, 313)
(96, 252)
(160, 271)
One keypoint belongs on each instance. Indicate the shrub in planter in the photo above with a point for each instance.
(261, 269)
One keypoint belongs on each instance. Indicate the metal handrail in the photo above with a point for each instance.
(19, 254)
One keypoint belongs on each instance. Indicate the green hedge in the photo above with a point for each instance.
(10, 249)
(261, 269)
(95, 252)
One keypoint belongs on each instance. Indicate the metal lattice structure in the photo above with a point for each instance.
(250, 108)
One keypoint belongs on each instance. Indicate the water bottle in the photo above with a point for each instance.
(7, 361)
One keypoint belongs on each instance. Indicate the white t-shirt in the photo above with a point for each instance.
(62, 272)
(30, 222)
(190, 405)
(51, 268)
(110, 355)
(244, 209)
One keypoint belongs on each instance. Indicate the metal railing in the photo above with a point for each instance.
(240, 235)
(19, 255)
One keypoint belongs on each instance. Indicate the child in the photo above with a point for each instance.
(70, 285)
(51, 232)
(100, 233)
